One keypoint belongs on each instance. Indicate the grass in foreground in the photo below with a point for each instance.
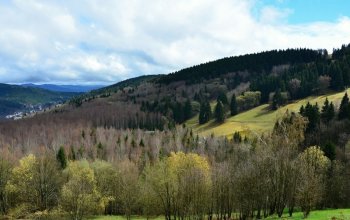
(259, 119)
(334, 214)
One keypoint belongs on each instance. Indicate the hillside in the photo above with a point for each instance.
(132, 134)
(17, 98)
(259, 119)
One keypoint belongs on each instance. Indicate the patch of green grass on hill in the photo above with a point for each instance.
(259, 119)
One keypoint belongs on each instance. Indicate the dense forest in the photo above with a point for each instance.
(125, 150)
(281, 76)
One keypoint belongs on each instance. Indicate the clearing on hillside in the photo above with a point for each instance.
(259, 119)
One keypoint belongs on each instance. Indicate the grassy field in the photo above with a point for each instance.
(123, 218)
(259, 119)
(337, 214)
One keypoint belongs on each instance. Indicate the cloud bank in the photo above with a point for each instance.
(92, 41)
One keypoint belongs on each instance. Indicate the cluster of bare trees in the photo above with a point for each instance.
(79, 170)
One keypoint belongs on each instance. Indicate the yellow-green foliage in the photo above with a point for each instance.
(181, 162)
(22, 181)
(313, 157)
(257, 120)
(79, 195)
(183, 180)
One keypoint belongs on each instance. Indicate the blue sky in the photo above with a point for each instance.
(306, 11)
(103, 42)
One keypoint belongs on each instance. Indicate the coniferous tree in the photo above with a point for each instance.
(277, 100)
(344, 109)
(311, 112)
(233, 105)
(237, 138)
(327, 111)
(331, 111)
(302, 110)
(329, 150)
(61, 157)
(204, 112)
(219, 112)
(187, 110)
(222, 98)
(337, 82)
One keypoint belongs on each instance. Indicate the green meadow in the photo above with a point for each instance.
(259, 119)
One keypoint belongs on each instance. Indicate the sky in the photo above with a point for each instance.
(103, 42)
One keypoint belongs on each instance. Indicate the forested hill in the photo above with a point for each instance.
(257, 63)
(293, 74)
(15, 98)
(136, 134)
(132, 82)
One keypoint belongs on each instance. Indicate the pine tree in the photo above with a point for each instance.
(237, 138)
(233, 105)
(188, 110)
(329, 150)
(302, 110)
(204, 112)
(219, 112)
(344, 109)
(61, 157)
(178, 112)
(331, 111)
(208, 111)
(222, 98)
(327, 112)
(277, 100)
(324, 110)
(311, 112)
(337, 82)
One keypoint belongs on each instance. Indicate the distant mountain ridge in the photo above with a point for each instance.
(64, 88)
(15, 98)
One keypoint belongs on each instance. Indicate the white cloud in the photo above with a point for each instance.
(106, 41)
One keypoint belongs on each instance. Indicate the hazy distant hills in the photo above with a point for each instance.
(18, 98)
(65, 88)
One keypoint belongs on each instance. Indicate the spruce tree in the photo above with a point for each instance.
(327, 112)
(237, 138)
(178, 112)
(61, 157)
(204, 112)
(277, 100)
(302, 110)
(201, 118)
(331, 112)
(344, 109)
(188, 110)
(208, 110)
(233, 105)
(337, 82)
(329, 150)
(219, 112)
(311, 112)
(222, 98)
(324, 110)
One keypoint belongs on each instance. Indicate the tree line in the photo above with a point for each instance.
(174, 174)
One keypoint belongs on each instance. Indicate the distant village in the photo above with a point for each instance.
(31, 110)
